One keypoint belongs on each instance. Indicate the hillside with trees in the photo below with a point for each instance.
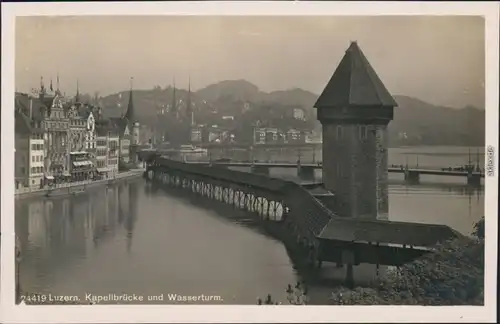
(416, 122)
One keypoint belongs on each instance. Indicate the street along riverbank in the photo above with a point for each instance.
(75, 188)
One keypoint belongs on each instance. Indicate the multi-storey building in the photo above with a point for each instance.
(121, 126)
(77, 129)
(82, 140)
(113, 151)
(107, 147)
(29, 143)
(196, 134)
(56, 125)
(259, 136)
(271, 135)
(295, 136)
(101, 155)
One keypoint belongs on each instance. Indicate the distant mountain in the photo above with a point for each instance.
(415, 122)
(230, 90)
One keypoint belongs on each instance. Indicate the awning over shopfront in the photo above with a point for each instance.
(49, 177)
(82, 163)
(102, 170)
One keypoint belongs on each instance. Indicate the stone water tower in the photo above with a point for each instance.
(355, 109)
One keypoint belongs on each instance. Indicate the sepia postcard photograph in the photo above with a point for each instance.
(174, 162)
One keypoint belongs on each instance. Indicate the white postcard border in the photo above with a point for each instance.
(11, 313)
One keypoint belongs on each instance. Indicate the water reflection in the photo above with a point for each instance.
(62, 232)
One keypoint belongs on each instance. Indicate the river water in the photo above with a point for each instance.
(130, 239)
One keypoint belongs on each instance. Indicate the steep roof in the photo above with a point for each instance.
(355, 83)
(392, 232)
(22, 124)
(102, 127)
(120, 124)
(130, 114)
(22, 103)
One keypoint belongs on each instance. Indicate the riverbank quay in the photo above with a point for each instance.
(75, 188)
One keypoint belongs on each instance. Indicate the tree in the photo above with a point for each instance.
(453, 274)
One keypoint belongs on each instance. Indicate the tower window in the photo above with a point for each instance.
(339, 131)
(363, 132)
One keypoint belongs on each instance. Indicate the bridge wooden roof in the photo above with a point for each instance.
(221, 173)
(388, 232)
(355, 83)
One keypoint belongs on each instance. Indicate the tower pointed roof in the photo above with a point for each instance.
(355, 83)
(129, 114)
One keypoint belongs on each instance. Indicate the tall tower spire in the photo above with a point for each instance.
(57, 82)
(189, 112)
(130, 109)
(174, 103)
(51, 87)
(42, 87)
(77, 97)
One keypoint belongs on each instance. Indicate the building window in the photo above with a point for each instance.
(339, 131)
(33, 159)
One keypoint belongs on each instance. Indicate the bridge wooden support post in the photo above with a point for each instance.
(412, 176)
(305, 173)
(349, 280)
(474, 179)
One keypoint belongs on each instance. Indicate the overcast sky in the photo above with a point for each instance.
(437, 59)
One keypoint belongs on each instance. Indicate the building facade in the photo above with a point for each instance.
(56, 137)
(77, 128)
(30, 148)
(113, 151)
(107, 154)
(355, 123)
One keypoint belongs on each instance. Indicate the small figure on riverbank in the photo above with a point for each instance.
(269, 300)
(259, 301)
(289, 292)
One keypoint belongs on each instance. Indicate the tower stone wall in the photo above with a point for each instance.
(355, 167)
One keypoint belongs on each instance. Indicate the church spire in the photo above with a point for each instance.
(130, 109)
(42, 86)
(57, 81)
(189, 108)
(77, 97)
